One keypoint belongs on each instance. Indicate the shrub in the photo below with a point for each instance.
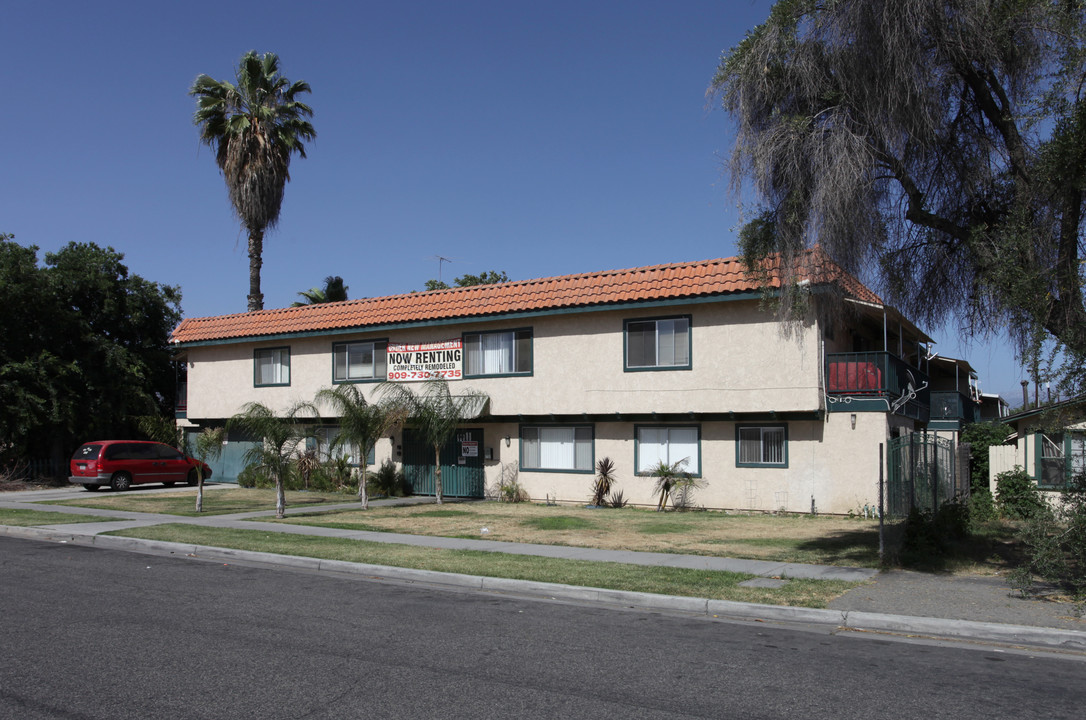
(509, 488)
(388, 481)
(1018, 496)
(1056, 546)
(982, 507)
(618, 500)
(254, 477)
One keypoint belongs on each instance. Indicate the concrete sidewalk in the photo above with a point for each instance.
(976, 608)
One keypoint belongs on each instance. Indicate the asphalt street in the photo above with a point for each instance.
(94, 633)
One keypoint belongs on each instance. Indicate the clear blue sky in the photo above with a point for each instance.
(541, 139)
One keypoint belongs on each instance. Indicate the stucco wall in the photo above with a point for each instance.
(740, 363)
(829, 462)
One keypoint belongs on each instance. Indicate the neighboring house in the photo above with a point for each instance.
(671, 362)
(1049, 443)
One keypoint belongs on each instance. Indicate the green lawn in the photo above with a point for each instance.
(30, 518)
(616, 576)
(216, 502)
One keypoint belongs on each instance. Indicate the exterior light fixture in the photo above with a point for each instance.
(852, 418)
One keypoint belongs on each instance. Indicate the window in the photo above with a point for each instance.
(359, 361)
(761, 446)
(556, 448)
(498, 353)
(272, 366)
(324, 442)
(1060, 458)
(669, 445)
(658, 343)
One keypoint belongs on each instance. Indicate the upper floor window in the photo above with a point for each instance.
(668, 445)
(359, 361)
(556, 448)
(660, 343)
(271, 366)
(507, 352)
(761, 446)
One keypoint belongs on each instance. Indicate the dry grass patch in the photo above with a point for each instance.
(821, 540)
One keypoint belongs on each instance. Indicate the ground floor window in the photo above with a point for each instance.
(668, 445)
(761, 446)
(546, 447)
(324, 441)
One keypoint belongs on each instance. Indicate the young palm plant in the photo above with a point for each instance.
(254, 127)
(435, 413)
(672, 481)
(281, 433)
(605, 479)
(360, 424)
(208, 446)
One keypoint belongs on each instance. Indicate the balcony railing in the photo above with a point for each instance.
(953, 405)
(878, 376)
(181, 407)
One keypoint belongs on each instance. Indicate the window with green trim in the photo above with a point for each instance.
(659, 343)
(359, 361)
(324, 442)
(1061, 456)
(508, 352)
(553, 447)
(761, 446)
(271, 366)
(668, 445)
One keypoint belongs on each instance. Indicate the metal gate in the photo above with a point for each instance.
(462, 472)
(921, 473)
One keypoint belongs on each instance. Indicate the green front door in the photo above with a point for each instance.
(461, 464)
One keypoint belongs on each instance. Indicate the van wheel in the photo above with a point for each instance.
(193, 477)
(91, 487)
(121, 481)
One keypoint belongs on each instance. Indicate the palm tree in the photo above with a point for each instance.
(208, 445)
(333, 291)
(435, 413)
(254, 127)
(281, 437)
(360, 424)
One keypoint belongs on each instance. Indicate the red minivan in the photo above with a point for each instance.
(124, 463)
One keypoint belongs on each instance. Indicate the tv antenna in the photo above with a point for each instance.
(440, 259)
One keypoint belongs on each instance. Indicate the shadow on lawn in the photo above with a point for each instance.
(993, 546)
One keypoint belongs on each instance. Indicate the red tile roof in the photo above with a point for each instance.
(706, 278)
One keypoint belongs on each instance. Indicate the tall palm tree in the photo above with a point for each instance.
(435, 413)
(281, 436)
(333, 291)
(254, 127)
(360, 424)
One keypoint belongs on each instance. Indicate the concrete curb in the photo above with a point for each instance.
(1022, 635)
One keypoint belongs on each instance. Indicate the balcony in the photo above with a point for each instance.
(875, 382)
(951, 409)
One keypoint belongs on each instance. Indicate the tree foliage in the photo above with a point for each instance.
(361, 424)
(490, 277)
(254, 128)
(333, 291)
(84, 350)
(435, 413)
(281, 436)
(939, 145)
